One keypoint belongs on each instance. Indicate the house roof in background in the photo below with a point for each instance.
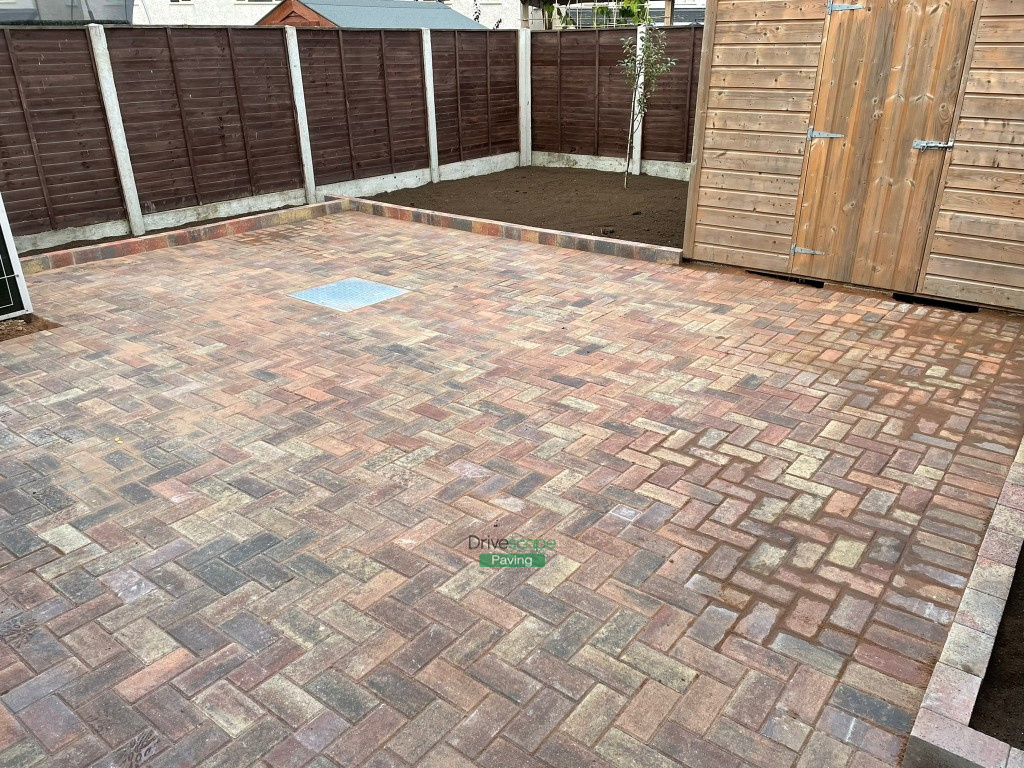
(388, 14)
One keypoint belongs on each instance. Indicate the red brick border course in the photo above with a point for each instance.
(603, 245)
(134, 245)
(942, 736)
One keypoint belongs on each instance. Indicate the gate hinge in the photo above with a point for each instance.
(807, 251)
(922, 144)
(813, 134)
(842, 7)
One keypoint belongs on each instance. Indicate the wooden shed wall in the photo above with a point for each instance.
(760, 83)
(977, 249)
(476, 93)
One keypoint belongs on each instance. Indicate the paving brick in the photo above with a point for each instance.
(345, 697)
(452, 684)
(617, 633)
(403, 693)
(563, 752)
(711, 626)
(753, 699)
(159, 672)
(211, 669)
(507, 680)
(822, 750)
(620, 749)
(52, 723)
(759, 550)
(229, 708)
(646, 710)
(750, 746)
(356, 744)
(659, 667)
(872, 709)
(476, 732)
(788, 732)
(424, 731)
(690, 750)
(171, 713)
(806, 693)
(610, 671)
(538, 719)
(287, 701)
(557, 674)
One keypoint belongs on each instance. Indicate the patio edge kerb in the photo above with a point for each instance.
(591, 244)
(135, 245)
(942, 736)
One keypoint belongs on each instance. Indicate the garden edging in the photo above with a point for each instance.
(603, 245)
(942, 736)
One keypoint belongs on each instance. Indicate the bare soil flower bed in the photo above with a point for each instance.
(999, 710)
(22, 326)
(651, 210)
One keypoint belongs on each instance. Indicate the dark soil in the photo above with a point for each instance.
(999, 711)
(650, 210)
(23, 326)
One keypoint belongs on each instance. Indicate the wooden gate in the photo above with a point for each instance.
(886, 95)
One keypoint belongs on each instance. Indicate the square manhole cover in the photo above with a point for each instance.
(346, 295)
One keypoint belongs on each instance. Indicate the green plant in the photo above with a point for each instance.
(643, 67)
(635, 12)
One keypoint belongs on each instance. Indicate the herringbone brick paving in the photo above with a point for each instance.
(235, 525)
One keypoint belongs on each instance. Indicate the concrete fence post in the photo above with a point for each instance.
(638, 129)
(428, 90)
(291, 40)
(525, 99)
(118, 140)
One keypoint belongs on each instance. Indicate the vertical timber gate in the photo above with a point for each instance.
(872, 142)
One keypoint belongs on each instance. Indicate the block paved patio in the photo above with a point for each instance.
(235, 524)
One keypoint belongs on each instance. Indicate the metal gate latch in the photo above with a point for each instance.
(922, 144)
(842, 7)
(813, 134)
(807, 251)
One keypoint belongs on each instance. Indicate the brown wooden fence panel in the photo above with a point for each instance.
(503, 96)
(447, 108)
(264, 89)
(669, 122)
(544, 91)
(153, 124)
(386, 101)
(22, 180)
(212, 115)
(476, 93)
(614, 95)
(53, 118)
(577, 87)
(323, 82)
(581, 98)
(407, 99)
